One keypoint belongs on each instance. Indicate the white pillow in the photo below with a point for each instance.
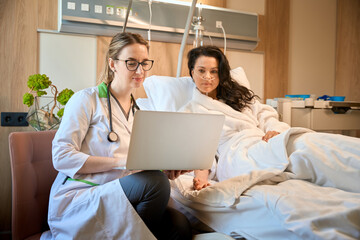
(171, 93)
(238, 74)
(168, 93)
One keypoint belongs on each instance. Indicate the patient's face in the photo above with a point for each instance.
(206, 75)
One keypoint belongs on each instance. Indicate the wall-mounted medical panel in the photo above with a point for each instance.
(167, 18)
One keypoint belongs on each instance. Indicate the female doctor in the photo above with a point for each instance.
(92, 197)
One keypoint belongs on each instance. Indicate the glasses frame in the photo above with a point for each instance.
(138, 64)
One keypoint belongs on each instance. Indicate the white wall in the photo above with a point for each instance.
(312, 47)
(68, 60)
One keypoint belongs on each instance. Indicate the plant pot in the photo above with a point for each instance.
(39, 116)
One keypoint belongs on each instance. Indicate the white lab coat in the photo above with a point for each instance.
(78, 210)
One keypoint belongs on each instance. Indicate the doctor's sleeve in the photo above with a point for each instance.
(66, 145)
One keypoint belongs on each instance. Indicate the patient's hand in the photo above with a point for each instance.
(201, 179)
(200, 183)
(269, 135)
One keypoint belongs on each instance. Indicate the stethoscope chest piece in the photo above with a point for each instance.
(113, 137)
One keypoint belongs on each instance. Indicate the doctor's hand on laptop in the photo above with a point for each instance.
(173, 174)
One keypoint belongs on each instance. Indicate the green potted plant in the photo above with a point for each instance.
(41, 115)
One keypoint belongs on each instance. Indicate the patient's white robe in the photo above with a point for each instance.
(325, 159)
(78, 210)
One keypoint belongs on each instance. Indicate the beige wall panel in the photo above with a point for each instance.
(18, 51)
(276, 47)
(254, 6)
(166, 59)
(48, 13)
(312, 47)
(347, 80)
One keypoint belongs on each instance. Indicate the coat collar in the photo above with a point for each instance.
(115, 109)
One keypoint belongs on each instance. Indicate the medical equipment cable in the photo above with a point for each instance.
(127, 15)
(150, 18)
(219, 25)
(211, 42)
(224, 39)
(186, 33)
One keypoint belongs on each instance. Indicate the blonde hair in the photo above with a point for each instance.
(118, 42)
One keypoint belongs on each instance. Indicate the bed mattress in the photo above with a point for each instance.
(293, 209)
(246, 219)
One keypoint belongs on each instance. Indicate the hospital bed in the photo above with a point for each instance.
(292, 209)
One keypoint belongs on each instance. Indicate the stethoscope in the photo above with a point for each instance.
(112, 136)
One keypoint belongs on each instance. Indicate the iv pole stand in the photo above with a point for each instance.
(127, 15)
(186, 33)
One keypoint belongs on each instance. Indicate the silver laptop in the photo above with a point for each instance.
(173, 140)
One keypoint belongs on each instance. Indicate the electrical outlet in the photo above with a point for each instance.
(218, 24)
(12, 119)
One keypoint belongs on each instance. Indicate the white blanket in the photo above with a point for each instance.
(293, 209)
(311, 211)
(245, 160)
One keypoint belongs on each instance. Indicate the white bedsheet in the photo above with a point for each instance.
(293, 209)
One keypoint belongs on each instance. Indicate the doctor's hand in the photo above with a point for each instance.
(173, 174)
(269, 135)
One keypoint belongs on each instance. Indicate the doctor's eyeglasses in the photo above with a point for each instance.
(132, 65)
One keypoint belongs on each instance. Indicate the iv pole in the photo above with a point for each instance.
(186, 33)
(127, 15)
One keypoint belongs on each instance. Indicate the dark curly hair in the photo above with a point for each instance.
(232, 93)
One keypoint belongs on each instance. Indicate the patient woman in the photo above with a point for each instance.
(93, 197)
(254, 141)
